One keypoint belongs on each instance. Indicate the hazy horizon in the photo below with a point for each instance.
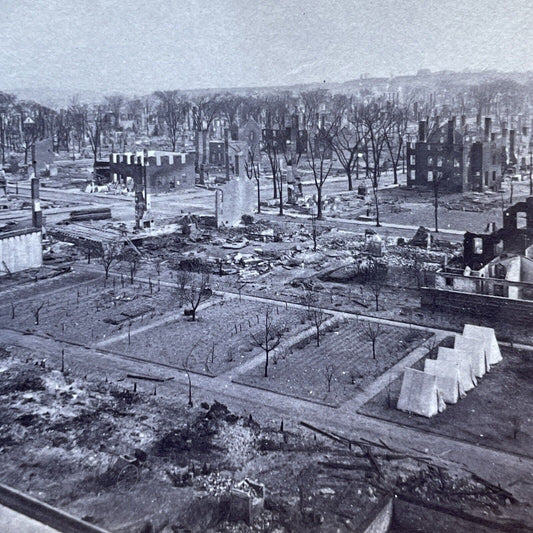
(139, 47)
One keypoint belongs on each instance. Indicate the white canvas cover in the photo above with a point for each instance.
(463, 361)
(419, 394)
(476, 350)
(488, 337)
(448, 383)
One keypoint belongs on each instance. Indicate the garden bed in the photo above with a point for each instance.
(345, 352)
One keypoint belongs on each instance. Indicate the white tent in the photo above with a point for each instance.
(419, 394)
(464, 364)
(448, 382)
(475, 349)
(488, 338)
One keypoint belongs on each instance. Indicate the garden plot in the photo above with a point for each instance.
(90, 311)
(219, 340)
(492, 414)
(341, 366)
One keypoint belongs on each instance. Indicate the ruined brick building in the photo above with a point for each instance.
(455, 159)
(164, 171)
(496, 279)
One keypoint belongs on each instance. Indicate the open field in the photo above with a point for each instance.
(490, 413)
(345, 353)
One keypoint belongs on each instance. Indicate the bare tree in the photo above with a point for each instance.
(7, 101)
(252, 172)
(115, 102)
(36, 312)
(375, 123)
(195, 289)
(346, 138)
(133, 258)
(395, 135)
(329, 373)
(173, 109)
(95, 128)
(78, 119)
(206, 109)
(275, 140)
(109, 254)
(268, 338)
(30, 134)
(229, 107)
(371, 331)
(315, 314)
(376, 279)
(320, 161)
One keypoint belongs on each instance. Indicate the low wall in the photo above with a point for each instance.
(491, 308)
(20, 250)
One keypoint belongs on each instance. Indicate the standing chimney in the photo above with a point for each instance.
(36, 213)
(463, 121)
(492, 136)
(478, 120)
(450, 130)
(512, 157)
(488, 128)
(422, 131)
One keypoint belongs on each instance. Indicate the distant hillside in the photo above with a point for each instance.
(58, 98)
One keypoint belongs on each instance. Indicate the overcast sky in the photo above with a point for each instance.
(143, 45)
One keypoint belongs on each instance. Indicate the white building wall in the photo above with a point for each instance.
(20, 252)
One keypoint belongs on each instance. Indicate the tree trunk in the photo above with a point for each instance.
(258, 197)
(274, 183)
(319, 203)
(318, 335)
(280, 194)
(373, 348)
(190, 389)
(350, 181)
(266, 363)
(377, 302)
(375, 188)
(395, 171)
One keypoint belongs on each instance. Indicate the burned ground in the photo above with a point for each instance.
(92, 447)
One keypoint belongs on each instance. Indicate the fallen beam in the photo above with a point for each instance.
(148, 378)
